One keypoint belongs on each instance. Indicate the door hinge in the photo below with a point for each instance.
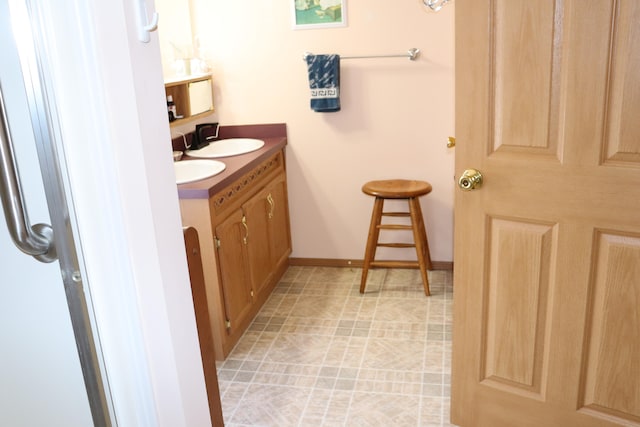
(251, 293)
(217, 242)
(228, 324)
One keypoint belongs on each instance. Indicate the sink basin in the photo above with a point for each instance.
(195, 170)
(227, 147)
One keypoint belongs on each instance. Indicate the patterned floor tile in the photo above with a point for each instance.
(319, 353)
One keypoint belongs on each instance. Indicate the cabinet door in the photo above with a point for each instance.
(235, 281)
(257, 213)
(279, 235)
(269, 242)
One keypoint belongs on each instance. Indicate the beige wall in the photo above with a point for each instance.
(395, 119)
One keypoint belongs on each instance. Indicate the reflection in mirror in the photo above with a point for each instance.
(200, 97)
(186, 74)
(179, 56)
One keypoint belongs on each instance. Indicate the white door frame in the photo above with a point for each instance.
(108, 89)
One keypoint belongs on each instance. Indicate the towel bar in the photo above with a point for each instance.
(412, 54)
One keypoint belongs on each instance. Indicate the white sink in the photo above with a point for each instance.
(227, 147)
(195, 170)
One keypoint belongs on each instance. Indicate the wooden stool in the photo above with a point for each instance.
(397, 189)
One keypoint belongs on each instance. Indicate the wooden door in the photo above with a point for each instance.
(235, 282)
(547, 251)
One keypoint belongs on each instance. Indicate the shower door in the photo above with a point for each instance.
(44, 321)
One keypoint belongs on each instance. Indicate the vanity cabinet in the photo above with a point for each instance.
(250, 246)
(246, 243)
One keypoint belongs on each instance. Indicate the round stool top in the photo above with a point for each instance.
(396, 188)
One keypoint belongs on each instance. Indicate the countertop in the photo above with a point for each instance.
(275, 139)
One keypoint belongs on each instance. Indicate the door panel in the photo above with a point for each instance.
(269, 241)
(279, 236)
(520, 256)
(515, 56)
(41, 381)
(234, 278)
(623, 126)
(256, 210)
(546, 298)
(612, 344)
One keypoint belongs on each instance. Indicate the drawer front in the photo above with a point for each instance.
(249, 184)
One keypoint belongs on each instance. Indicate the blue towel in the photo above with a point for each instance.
(324, 82)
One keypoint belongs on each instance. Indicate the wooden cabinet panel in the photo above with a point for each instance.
(278, 224)
(205, 334)
(235, 282)
(256, 211)
(269, 241)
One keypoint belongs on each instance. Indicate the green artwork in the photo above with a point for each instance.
(319, 13)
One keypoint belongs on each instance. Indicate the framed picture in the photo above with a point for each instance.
(308, 14)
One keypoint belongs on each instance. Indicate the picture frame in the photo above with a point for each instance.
(313, 14)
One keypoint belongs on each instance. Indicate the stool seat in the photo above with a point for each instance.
(397, 189)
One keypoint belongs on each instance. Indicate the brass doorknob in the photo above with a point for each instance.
(470, 180)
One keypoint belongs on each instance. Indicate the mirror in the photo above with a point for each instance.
(185, 73)
(175, 37)
(200, 97)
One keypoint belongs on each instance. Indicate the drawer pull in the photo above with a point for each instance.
(271, 205)
(246, 229)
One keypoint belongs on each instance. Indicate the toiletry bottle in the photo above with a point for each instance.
(171, 108)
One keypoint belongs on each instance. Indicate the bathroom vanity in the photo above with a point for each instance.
(242, 219)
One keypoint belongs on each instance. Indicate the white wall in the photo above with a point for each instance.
(395, 119)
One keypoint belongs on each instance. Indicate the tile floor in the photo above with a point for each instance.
(321, 354)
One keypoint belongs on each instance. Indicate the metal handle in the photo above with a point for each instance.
(451, 142)
(246, 230)
(470, 180)
(36, 240)
(271, 205)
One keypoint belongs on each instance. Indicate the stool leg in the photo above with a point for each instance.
(420, 238)
(372, 241)
(423, 233)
